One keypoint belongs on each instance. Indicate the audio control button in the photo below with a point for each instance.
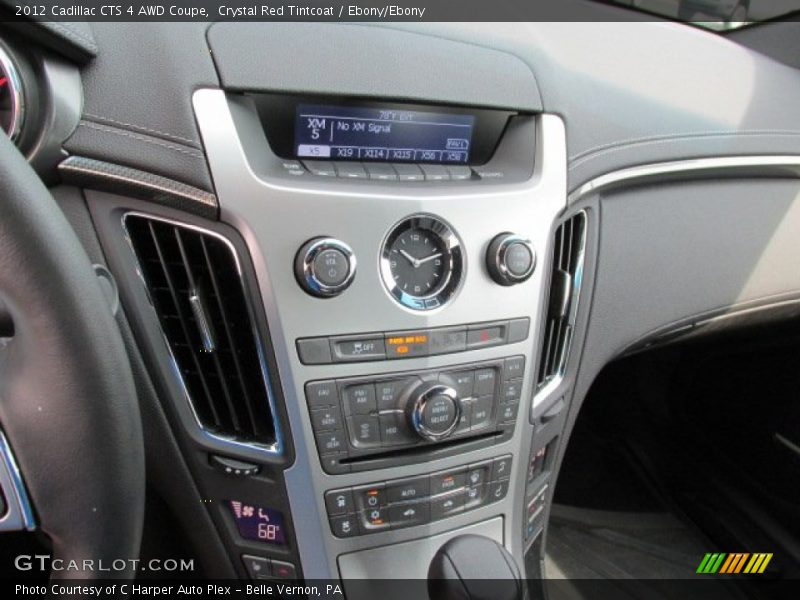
(434, 413)
(389, 393)
(325, 267)
(331, 267)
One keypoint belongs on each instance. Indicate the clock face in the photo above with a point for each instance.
(421, 262)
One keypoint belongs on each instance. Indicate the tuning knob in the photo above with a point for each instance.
(434, 411)
(510, 259)
(325, 267)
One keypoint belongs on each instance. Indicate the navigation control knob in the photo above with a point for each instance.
(434, 411)
(325, 267)
(510, 259)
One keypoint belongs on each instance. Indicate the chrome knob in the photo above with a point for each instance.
(510, 259)
(434, 411)
(325, 267)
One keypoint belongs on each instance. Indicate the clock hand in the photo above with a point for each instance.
(410, 258)
(429, 258)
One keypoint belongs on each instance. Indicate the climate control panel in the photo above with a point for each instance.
(414, 501)
(374, 422)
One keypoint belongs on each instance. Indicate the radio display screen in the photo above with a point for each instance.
(382, 134)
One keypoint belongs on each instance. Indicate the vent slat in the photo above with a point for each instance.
(198, 294)
(195, 289)
(228, 336)
(568, 251)
(181, 318)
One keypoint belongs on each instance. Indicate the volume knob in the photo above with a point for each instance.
(434, 412)
(510, 259)
(325, 267)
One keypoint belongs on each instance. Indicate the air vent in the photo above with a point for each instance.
(565, 282)
(195, 285)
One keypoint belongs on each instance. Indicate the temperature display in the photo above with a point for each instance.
(258, 523)
(382, 134)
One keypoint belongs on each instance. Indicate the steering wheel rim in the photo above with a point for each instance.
(68, 404)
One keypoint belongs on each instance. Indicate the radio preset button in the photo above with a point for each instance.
(459, 173)
(435, 172)
(350, 170)
(323, 168)
(408, 172)
(381, 171)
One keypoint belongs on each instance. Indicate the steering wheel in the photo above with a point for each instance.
(68, 406)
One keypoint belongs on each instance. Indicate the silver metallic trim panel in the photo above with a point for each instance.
(275, 215)
(19, 514)
(409, 560)
(275, 449)
(105, 176)
(722, 166)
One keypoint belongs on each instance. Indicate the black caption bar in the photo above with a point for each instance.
(337, 10)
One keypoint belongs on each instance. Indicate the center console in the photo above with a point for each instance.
(397, 249)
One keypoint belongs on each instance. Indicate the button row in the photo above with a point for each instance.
(353, 417)
(260, 567)
(408, 502)
(380, 171)
(410, 344)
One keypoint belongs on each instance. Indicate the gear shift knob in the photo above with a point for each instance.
(474, 567)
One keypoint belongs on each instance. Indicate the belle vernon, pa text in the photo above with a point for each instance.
(133, 589)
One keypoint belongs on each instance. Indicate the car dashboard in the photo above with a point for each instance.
(365, 292)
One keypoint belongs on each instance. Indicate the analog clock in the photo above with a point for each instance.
(421, 262)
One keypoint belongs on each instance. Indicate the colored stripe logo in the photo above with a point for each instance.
(734, 563)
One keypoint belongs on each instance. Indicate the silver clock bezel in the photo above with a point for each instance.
(455, 258)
